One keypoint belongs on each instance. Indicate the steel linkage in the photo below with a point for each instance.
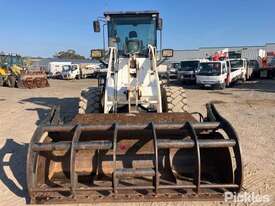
(156, 158)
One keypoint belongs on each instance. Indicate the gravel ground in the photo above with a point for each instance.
(250, 107)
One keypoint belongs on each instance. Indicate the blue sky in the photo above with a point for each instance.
(43, 27)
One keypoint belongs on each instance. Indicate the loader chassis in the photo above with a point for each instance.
(133, 139)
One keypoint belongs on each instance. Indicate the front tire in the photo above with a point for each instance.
(176, 99)
(2, 82)
(89, 101)
(222, 86)
(11, 81)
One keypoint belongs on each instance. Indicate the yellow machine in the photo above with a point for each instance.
(13, 74)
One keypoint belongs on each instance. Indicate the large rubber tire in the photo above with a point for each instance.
(222, 86)
(11, 81)
(164, 99)
(2, 82)
(89, 101)
(176, 99)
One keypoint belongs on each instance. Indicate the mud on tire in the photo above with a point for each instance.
(89, 101)
(176, 99)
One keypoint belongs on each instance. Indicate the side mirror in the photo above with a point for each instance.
(159, 24)
(96, 25)
(96, 53)
(167, 53)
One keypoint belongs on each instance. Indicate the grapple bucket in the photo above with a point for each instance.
(141, 157)
(33, 79)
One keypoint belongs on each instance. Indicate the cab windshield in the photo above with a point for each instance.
(66, 68)
(176, 65)
(210, 69)
(236, 64)
(11, 60)
(189, 65)
(132, 34)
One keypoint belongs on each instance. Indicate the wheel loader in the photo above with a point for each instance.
(133, 139)
(12, 74)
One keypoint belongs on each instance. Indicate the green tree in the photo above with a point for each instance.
(69, 54)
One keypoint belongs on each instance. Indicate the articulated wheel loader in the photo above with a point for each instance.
(12, 74)
(133, 139)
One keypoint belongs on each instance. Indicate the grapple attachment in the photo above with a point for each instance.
(141, 157)
(32, 79)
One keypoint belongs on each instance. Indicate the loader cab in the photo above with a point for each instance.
(132, 32)
(10, 60)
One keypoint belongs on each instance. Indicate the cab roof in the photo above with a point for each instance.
(210, 62)
(131, 13)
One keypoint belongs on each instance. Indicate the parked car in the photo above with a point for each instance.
(187, 71)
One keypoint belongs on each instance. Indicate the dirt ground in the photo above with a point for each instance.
(250, 107)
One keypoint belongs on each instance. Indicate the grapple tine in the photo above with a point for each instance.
(33, 79)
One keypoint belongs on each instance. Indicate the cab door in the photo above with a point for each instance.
(223, 72)
(228, 71)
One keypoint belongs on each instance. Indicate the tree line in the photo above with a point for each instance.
(69, 54)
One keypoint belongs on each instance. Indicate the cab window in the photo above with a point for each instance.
(224, 69)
